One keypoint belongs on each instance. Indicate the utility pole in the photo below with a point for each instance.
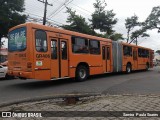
(136, 41)
(45, 10)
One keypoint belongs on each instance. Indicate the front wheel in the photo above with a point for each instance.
(81, 73)
(128, 68)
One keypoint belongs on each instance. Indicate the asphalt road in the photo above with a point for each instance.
(141, 82)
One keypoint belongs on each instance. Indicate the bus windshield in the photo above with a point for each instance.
(17, 40)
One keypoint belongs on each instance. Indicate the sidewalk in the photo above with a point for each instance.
(92, 103)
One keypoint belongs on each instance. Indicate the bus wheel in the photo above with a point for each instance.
(81, 73)
(128, 68)
(8, 77)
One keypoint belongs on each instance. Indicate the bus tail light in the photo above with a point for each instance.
(29, 65)
(11, 73)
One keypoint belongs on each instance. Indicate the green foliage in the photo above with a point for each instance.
(77, 23)
(139, 33)
(116, 36)
(102, 19)
(158, 51)
(130, 23)
(10, 11)
(153, 20)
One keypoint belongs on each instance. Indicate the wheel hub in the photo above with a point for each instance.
(82, 73)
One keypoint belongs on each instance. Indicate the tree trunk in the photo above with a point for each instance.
(136, 41)
(127, 36)
(132, 40)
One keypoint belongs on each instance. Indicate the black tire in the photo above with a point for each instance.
(8, 77)
(82, 73)
(128, 68)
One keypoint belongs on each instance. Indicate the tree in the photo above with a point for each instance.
(116, 37)
(102, 19)
(158, 51)
(138, 33)
(153, 20)
(77, 23)
(130, 24)
(10, 11)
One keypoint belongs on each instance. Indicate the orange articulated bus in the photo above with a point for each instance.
(47, 53)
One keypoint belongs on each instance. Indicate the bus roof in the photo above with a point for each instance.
(63, 31)
(68, 32)
(132, 45)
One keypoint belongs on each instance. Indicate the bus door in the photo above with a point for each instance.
(106, 58)
(135, 58)
(59, 58)
(104, 63)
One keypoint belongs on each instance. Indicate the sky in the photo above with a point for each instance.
(122, 8)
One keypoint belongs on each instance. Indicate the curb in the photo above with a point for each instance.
(136, 95)
(77, 95)
(57, 96)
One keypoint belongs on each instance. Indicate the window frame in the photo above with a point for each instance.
(129, 50)
(99, 46)
(143, 53)
(25, 36)
(46, 40)
(86, 41)
(56, 49)
(66, 48)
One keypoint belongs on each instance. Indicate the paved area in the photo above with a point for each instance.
(139, 82)
(133, 96)
(94, 107)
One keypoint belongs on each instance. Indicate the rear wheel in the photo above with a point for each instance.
(128, 68)
(9, 77)
(81, 73)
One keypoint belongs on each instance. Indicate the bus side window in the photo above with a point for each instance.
(53, 49)
(41, 41)
(94, 47)
(64, 50)
(139, 52)
(127, 51)
(79, 45)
